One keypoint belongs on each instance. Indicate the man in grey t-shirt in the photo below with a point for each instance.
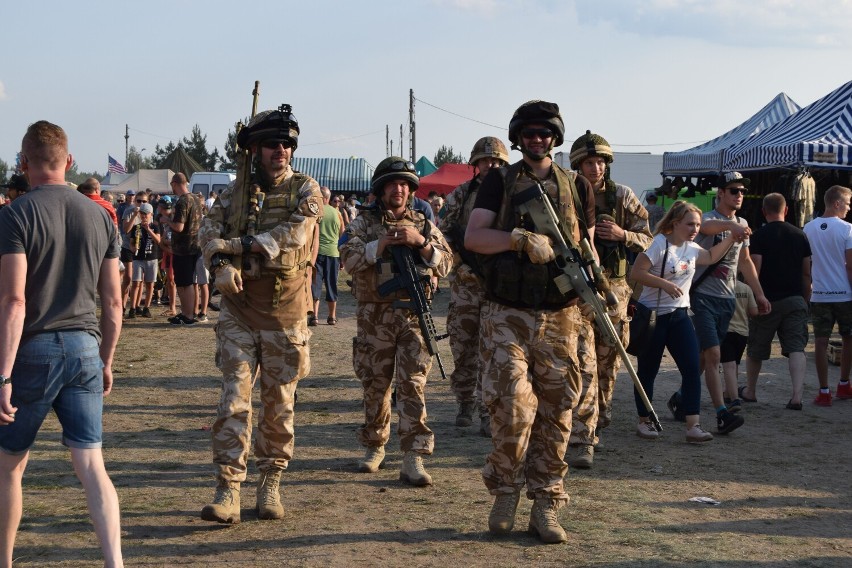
(712, 295)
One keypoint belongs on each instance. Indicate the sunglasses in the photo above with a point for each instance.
(736, 190)
(273, 144)
(533, 132)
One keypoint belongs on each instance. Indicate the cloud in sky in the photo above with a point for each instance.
(759, 23)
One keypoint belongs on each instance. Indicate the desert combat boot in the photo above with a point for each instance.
(225, 507)
(544, 521)
(374, 460)
(268, 497)
(465, 415)
(413, 472)
(502, 517)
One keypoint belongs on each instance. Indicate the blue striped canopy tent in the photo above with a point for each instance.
(819, 135)
(709, 157)
(350, 175)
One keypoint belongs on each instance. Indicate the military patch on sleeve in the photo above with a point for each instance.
(313, 206)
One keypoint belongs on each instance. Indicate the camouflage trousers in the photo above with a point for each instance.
(466, 297)
(599, 365)
(389, 341)
(283, 358)
(531, 381)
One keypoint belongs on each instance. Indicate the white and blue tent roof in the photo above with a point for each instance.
(708, 158)
(337, 174)
(819, 135)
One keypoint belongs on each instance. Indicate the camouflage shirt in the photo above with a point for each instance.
(188, 211)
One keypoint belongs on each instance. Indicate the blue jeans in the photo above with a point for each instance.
(675, 332)
(61, 370)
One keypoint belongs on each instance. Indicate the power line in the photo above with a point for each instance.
(169, 138)
(342, 139)
(459, 115)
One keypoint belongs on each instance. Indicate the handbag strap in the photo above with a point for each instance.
(662, 273)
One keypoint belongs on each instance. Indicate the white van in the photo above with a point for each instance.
(205, 182)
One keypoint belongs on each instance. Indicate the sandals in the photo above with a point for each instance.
(791, 406)
(331, 321)
(743, 397)
(312, 320)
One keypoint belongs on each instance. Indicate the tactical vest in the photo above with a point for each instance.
(366, 283)
(468, 257)
(612, 255)
(510, 277)
(278, 205)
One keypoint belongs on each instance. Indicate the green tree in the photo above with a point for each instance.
(136, 162)
(445, 155)
(74, 175)
(196, 146)
(160, 154)
(4, 171)
(229, 161)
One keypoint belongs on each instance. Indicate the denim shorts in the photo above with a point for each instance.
(60, 370)
(711, 316)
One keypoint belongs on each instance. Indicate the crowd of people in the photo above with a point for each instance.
(533, 362)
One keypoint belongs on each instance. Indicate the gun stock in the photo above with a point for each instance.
(574, 261)
(409, 280)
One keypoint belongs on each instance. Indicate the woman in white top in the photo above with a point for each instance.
(669, 295)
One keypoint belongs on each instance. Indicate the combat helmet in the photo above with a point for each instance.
(488, 147)
(391, 168)
(537, 112)
(589, 145)
(276, 124)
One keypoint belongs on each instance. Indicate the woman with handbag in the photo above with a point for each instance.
(666, 269)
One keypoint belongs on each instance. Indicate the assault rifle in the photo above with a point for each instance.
(575, 262)
(243, 198)
(409, 280)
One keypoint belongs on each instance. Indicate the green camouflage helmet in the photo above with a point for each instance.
(391, 168)
(537, 112)
(488, 147)
(277, 124)
(589, 145)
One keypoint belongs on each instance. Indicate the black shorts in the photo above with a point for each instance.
(732, 347)
(126, 256)
(184, 269)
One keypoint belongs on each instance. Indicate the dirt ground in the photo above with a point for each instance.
(783, 479)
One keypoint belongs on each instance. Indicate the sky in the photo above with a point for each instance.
(648, 75)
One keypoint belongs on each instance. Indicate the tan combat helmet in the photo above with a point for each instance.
(488, 147)
(589, 145)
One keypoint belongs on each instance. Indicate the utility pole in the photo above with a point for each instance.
(126, 144)
(411, 124)
(400, 141)
(387, 141)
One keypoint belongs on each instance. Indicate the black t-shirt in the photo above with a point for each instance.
(490, 195)
(147, 249)
(782, 247)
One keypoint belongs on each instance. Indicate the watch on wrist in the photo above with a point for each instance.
(4, 380)
(246, 241)
(424, 245)
(218, 261)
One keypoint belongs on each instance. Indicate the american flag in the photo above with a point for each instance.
(115, 167)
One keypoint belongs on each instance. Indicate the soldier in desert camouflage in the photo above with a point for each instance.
(531, 378)
(389, 339)
(466, 294)
(622, 225)
(263, 320)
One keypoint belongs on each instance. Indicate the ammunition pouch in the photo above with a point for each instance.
(513, 280)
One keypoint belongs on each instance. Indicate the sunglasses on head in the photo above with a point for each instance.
(533, 132)
(402, 166)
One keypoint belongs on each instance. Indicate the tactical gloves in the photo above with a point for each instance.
(228, 280)
(231, 246)
(535, 245)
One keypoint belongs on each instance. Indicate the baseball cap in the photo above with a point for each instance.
(146, 208)
(129, 192)
(733, 177)
(165, 201)
(17, 182)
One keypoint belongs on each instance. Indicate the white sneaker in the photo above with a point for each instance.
(697, 435)
(646, 430)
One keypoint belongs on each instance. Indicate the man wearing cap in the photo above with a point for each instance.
(144, 243)
(260, 259)
(622, 226)
(389, 338)
(713, 295)
(655, 212)
(530, 379)
(466, 293)
(128, 216)
(185, 223)
(16, 186)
